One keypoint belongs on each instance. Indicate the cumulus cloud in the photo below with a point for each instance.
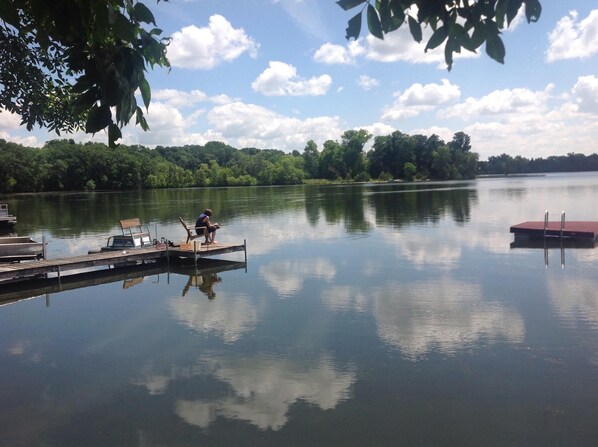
(281, 79)
(8, 120)
(508, 101)
(399, 46)
(250, 125)
(207, 47)
(367, 83)
(585, 94)
(419, 98)
(179, 98)
(331, 54)
(573, 39)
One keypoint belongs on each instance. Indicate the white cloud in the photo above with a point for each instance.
(571, 39)
(331, 54)
(205, 48)
(179, 98)
(585, 94)
(419, 98)
(399, 46)
(250, 125)
(281, 79)
(502, 102)
(367, 83)
(8, 120)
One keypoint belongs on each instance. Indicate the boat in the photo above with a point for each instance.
(125, 242)
(6, 219)
(20, 248)
(134, 235)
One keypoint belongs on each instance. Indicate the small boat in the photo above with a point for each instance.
(20, 249)
(126, 242)
(6, 219)
(134, 235)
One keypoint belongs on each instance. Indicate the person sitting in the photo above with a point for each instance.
(203, 221)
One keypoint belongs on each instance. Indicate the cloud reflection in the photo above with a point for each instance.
(263, 389)
(443, 315)
(287, 277)
(228, 317)
(575, 300)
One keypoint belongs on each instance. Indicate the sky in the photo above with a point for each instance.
(274, 74)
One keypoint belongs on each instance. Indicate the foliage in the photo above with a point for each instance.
(505, 164)
(77, 64)
(455, 23)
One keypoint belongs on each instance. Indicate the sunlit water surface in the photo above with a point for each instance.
(369, 315)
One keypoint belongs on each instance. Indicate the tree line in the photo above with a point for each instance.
(63, 165)
(505, 164)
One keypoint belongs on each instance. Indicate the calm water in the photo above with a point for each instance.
(370, 315)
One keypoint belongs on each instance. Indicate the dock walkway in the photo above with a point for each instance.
(15, 271)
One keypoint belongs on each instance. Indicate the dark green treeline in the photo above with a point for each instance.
(63, 165)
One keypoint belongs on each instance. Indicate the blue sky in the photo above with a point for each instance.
(277, 73)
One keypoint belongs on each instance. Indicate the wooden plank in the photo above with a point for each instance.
(130, 223)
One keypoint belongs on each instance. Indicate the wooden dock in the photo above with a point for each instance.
(572, 229)
(192, 251)
(35, 287)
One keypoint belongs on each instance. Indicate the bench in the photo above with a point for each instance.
(137, 231)
(189, 229)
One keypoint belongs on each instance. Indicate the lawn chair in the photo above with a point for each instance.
(190, 234)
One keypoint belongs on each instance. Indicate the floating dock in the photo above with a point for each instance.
(191, 251)
(572, 229)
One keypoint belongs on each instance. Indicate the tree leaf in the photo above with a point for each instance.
(513, 10)
(99, 117)
(416, 29)
(143, 14)
(354, 27)
(374, 23)
(114, 134)
(146, 92)
(349, 4)
(533, 9)
(437, 38)
(495, 47)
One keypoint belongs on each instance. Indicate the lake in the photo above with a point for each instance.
(367, 315)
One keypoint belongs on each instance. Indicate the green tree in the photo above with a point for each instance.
(311, 160)
(65, 64)
(353, 157)
(455, 23)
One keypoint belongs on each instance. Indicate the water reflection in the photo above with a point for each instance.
(445, 316)
(287, 277)
(228, 317)
(262, 389)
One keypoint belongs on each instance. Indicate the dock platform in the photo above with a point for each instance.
(571, 229)
(192, 251)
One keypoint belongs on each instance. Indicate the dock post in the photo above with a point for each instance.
(545, 222)
(245, 251)
(43, 246)
(195, 253)
(167, 254)
(562, 223)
